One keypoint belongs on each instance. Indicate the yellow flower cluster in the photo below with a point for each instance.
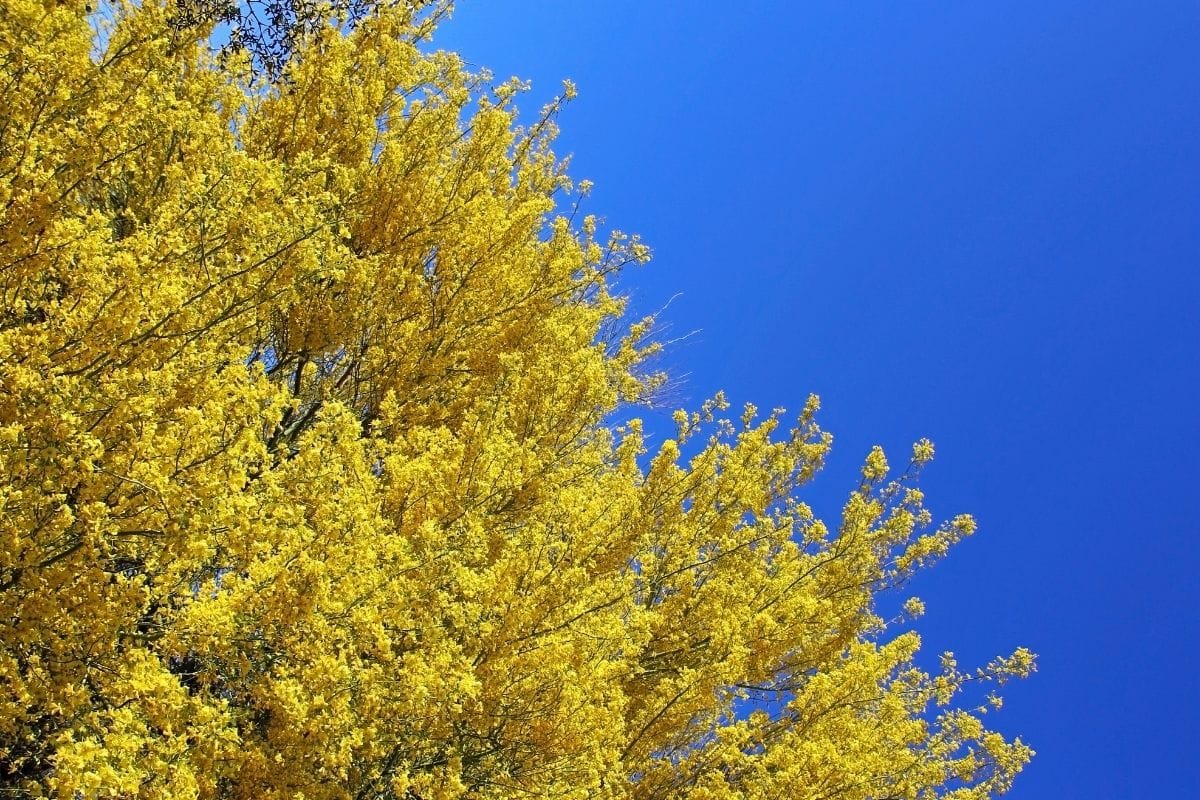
(309, 487)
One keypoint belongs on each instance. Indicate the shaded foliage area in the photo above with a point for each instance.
(270, 31)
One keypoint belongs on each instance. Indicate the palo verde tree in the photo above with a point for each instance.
(309, 487)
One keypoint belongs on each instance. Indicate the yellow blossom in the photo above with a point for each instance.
(311, 486)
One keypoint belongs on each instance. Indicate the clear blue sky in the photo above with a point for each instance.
(977, 222)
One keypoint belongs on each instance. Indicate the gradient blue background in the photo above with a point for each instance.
(975, 222)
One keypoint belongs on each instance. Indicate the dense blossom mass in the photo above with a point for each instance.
(311, 485)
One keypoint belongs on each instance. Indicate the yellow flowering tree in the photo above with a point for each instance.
(310, 487)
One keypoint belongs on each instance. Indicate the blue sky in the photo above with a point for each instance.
(976, 222)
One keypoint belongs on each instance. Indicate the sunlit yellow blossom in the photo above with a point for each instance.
(311, 482)
(876, 467)
(923, 451)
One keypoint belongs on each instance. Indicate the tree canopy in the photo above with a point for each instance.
(312, 485)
